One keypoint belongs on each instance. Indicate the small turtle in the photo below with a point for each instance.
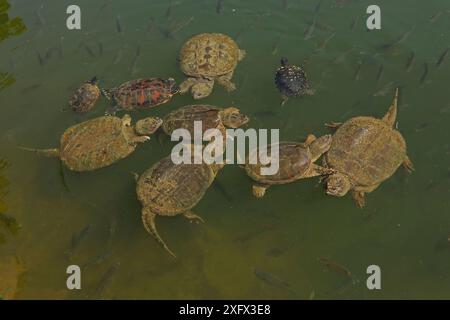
(208, 57)
(169, 189)
(296, 161)
(141, 94)
(11, 272)
(365, 151)
(291, 80)
(101, 141)
(210, 117)
(85, 96)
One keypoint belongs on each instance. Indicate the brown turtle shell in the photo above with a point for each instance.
(169, 189)
(84, 97)
(185, 117)
(366, 149)
(295, 160)
(144, 93)
(95, 143)
(209, 54)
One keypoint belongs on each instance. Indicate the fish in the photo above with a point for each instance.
(335, 267)
(49, 53)
(278, 251)
(100, 48)
(151, 25)
(77, 238)
(436, 17)
(62, 176)
(401, 39)
(317, 7)
(310, 30)
(88, 50)
(112, 230)
(441, 58)
(339, 59)
(384, 90)
(357, 74)
(97, 260)
(324, 43)
(254, 233)
(169, 10)
(219, 6)
(219, 186)
(40, 58)
(118, 56)
(410, 62)
(272, 280)
(171, 31)
(106, 279)
(118, 25)
(133, 67)
(275, 47)
(425, 74)
(31, 88)
(380, 73)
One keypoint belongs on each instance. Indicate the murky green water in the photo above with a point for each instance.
(403, 229)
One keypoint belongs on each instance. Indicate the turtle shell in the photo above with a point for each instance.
(95, 143)
(367, 150)
(295, 160)
(144, 93)
(169, 189)
(185, 117)
(209, 55)
(84, 97)
(291, 80)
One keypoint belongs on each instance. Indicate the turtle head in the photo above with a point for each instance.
(202, 89)
(320, 145)
(232, 118)
(173, 87)
(284, 61)
(148, 125)
(337, 185)
(93, 81)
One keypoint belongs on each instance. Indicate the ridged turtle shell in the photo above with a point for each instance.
(84, 98)
(185, 117)
(169, 189)
(209, 54)
(291, 80)
(295, 160)
(95, 144)
(366, 149)
(143, 93)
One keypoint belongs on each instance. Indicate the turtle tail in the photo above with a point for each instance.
(148, 218)
(49, 153)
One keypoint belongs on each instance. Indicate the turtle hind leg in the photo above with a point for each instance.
(259, 190)
(408, 164)
(192, 216)
(148, 218)
(359, 198)
(49, 153)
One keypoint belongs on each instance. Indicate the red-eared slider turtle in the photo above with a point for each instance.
(11, 272)
(296, 161)
(141, 94)
(211, 117)
(169, 189)
(208, 57)
(85, 96)
(291, 80)
(101, 141)
(365, 151)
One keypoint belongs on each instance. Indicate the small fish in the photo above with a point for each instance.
(151, 25)
(106, 279)
(77, 238)
(169, 10)
(254, 233)
(436, 17)
(272, 280)
(401, 39)
(49, 53)
(275, 47)
(335, 267)
(384, 90)
(40, 59)
(97, 260)
(88, 50)
(63, 176)
(100, 48)
(357, 74)
(219, 6)
(441, 58)
(421, 127)
(31, 88)
(112, 230)
(410, 62)
(310, 30)
(324, 43)
(339, 59)
(425, 74)
(380, 73)
(118, 56)
(118, 25)
(317, 7)
(278, 251)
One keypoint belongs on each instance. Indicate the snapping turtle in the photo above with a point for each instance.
(169, 189)
(210, 117)
(296, 161)
(365, 151)
(208, 57)
(85, 96)
(141, 94)
(11, 272)
(101, 141)
(291, 81)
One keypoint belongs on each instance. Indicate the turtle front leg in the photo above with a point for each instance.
(148, 219)
(193, 217)
(284, 99)
(259, 190)
(359, 198)
(225, 81)
(316, 170)
(333, 125)
(242, 54)
(408, 164)
(140, 139)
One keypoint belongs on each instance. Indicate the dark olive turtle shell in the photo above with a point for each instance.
(185, 117)
(84, 97)
(291, 80)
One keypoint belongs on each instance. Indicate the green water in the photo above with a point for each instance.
(403, 229)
